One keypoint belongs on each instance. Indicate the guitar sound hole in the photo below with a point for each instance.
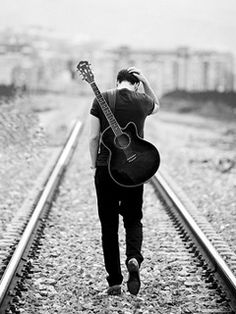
(122, 141)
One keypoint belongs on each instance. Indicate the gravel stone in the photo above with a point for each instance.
(23, 155)
(31, 128)
(193, 150)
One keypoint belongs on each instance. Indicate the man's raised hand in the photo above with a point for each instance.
(138, 73)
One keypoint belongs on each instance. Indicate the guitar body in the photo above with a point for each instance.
(132, 160)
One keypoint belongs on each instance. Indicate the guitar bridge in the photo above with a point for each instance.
(131, 158)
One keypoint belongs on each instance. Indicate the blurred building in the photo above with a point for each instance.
(39, 59)
(180, 69)
(34, 59)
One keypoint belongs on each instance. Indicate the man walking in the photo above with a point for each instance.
(112, 199)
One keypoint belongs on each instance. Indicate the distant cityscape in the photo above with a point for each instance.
(38, 60)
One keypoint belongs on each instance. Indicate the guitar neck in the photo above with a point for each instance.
(106, 110)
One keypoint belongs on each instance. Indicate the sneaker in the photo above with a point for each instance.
(133, 282)
(114, 290)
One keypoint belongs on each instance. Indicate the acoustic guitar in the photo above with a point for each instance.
(132, 160)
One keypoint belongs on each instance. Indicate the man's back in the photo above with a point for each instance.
(129, 106)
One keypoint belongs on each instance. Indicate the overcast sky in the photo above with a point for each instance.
(139, 23)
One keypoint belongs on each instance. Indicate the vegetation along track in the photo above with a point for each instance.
(15, 264)
(178, 275)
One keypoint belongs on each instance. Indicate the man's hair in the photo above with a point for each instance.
(125, 75)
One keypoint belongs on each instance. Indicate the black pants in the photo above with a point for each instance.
(113, 200)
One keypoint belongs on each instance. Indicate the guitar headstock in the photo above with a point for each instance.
(84, 69)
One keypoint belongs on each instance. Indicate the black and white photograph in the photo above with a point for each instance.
(117, 157)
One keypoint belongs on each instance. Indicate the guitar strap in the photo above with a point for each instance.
(112, 99)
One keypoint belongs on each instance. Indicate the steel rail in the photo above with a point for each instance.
(212, 254)
(46, 194)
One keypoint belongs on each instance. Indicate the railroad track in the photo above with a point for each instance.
(203, 251)
(211, 252)
(16, 259)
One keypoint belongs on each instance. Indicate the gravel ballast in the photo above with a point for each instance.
(199, 154)
(23, 154)
(32, 129)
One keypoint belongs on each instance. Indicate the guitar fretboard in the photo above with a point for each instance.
(106, 110)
